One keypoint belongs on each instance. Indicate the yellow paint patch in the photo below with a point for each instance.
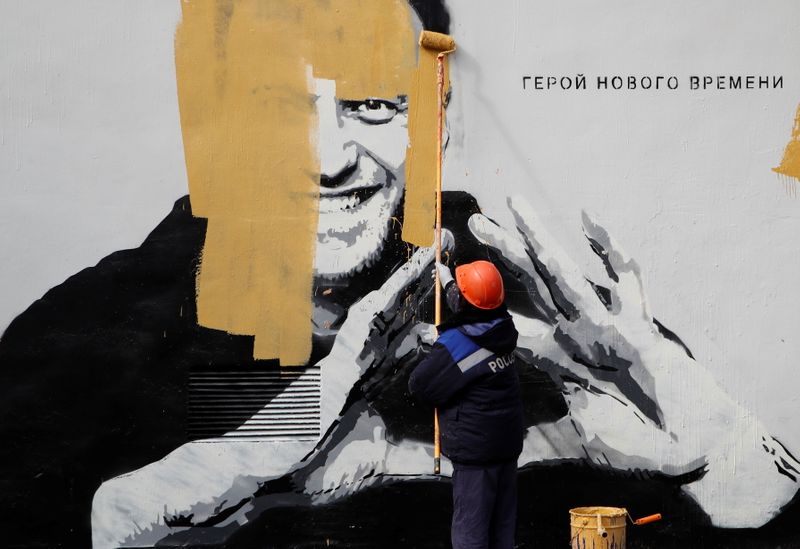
(421, 160)
(366, 46)
(790, 165)
(244, 70)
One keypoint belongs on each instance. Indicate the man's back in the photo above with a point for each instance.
(470, 376)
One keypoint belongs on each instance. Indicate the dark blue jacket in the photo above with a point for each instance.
(470, 376)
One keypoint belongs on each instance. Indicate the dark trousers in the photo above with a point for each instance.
(484, 506)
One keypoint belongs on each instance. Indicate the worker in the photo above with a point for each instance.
(470, 377)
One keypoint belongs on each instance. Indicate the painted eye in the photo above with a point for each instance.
(374, 111)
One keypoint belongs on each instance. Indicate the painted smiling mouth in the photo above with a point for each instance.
(332, 202)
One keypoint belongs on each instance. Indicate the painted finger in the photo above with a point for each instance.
(378, 300)
(514, 256)
(448, 241)
(534, 334)
(396, 288)
(568, 288)
(424, 334)
(351, 338)
(600, 242)
(510, 247)
(620, 267)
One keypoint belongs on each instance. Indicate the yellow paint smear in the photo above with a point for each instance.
(244, 70)
(421, 159)
(790, 165)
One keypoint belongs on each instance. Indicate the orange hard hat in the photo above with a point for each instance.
(481, 284)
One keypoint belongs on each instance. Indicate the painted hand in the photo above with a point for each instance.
(636, 397)
(380, 330)
(382, 333)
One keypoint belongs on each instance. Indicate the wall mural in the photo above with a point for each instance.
(176, 394)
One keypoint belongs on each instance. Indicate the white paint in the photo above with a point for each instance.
(130, 509)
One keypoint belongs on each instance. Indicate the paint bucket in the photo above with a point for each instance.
(597, 527)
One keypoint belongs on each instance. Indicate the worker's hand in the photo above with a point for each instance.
(445, 277)
(636, 397)
(382, 330)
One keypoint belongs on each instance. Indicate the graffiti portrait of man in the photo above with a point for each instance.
(243, 372)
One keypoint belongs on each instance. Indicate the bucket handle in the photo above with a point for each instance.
(600, 530)
(578, 533)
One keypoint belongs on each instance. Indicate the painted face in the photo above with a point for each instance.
(362, 145)
(291, 189)
(362, 150)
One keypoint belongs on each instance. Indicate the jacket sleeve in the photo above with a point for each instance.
(437, 378)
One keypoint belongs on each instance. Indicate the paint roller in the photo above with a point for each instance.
(444, 44)
(436, 41)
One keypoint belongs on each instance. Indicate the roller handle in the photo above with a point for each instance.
(437, 451)
(648, 519)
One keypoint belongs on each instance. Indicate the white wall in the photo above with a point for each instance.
(90, 146)
(681, 178)
(91, 157)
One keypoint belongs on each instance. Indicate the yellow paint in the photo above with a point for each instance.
(366, 46)
(420, 207)
(790, 165)
(249, 125)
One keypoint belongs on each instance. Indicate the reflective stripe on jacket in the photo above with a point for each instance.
(470, 375)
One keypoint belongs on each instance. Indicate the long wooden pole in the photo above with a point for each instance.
(437, 451)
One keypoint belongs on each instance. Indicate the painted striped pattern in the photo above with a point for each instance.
(274, 404)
